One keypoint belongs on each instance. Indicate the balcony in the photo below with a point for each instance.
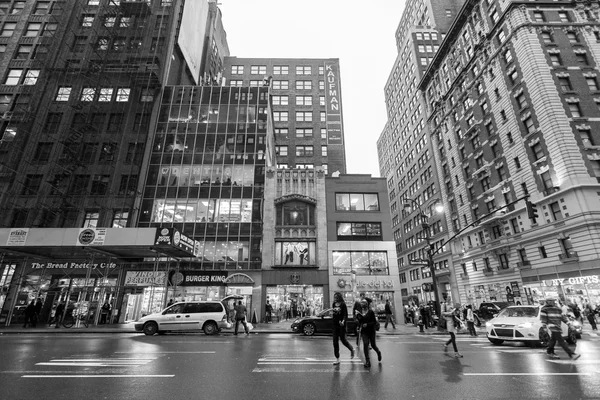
(524, 265)
(569, 256)
(488, 272)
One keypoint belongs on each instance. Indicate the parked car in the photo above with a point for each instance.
(523, 324)
(320, 323)
(208, 316)
(488, 310)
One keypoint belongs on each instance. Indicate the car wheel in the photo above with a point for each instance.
(544, 337)
(572, 337)
(210, 328)
(309, 329)
(496, 341)
(150, 328)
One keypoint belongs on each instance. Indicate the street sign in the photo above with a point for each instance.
(417, 261)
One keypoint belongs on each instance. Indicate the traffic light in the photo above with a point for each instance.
(532, 211)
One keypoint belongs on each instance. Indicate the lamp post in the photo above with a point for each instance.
(410, 203)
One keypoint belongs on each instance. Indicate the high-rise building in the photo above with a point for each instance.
(81, 83)
(512, 104)
(307, 108)
(406, 155)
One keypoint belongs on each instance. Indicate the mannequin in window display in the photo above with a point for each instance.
(289, 253)
(303, 255)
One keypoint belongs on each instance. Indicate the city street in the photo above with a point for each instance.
(285, 366)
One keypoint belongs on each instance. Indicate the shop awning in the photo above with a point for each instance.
(127, 244)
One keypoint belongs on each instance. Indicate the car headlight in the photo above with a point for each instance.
(525, 325)
(488, 324)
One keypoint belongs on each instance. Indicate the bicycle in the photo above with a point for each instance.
(70, 320)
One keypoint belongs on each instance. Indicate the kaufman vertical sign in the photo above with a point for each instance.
(333, 96)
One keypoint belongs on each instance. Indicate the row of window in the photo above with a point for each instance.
(300, 100)
(301, 151)
(89, 94)
(81, 183)
(301, 116)
(277, 70)
(277, 84)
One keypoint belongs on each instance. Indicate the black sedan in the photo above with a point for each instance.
(320, 323)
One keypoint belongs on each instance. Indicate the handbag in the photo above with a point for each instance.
(377, 325)
(442, 323)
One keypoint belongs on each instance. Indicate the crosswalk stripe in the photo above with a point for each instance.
(97, 376)
(311, 370)
(527, 373)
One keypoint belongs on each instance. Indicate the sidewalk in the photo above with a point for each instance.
(278, 327)
(274, 328)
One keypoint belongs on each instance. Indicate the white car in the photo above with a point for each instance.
(208, 316)
(523, 324)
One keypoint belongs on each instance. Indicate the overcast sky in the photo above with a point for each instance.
(359, 33)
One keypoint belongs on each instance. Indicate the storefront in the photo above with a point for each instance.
(510, 291)
(82, 286)
(379, 288)
(294, 292)
(574, 290)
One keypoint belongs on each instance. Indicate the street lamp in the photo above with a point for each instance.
(438, 207)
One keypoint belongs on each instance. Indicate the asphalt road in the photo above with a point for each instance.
(284, 366)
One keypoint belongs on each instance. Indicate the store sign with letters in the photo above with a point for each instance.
(91, 237)
(145, 278)
(577, 280)
(71, 265)
(375, 284)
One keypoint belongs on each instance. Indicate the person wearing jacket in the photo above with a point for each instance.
(471, 321)
(367, 321)
(551, 317)
(340, 317)
(448, 313)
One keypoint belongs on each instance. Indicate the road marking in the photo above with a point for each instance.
(98, 376)
(314, 370)
(97, 362)
(526, 373)
(569, 361)
(166, 352)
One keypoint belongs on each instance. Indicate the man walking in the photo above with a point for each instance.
(357, 309)
(240, 316)
(588, 311)
(388, 314)
(551, 317)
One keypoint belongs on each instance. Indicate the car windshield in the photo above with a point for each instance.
(325, 313)
(526, 312)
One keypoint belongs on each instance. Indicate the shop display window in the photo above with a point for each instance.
(202, 210)
(199, 175)
(361, 262)
(295, 253)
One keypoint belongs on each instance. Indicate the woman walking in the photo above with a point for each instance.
(340, 316)
(367, 321)
(448, 313)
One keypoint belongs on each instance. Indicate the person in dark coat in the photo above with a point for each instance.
(367, 321)
(340, 316)
(357, 309)
(58, 314)
(38, 311)
(30, 314)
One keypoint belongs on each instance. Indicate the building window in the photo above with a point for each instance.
(280, 70)
(575, 110)
(303, 85)
(281, 85)
(565, 84)
(303, 70)
(100, 185)
(14, 77)
(547, 37)
(514, 223)
(33, 29)
(572, 37)
(91, 219)
(503, 258)
(563, 16)
(280, 116)
(123, 94)
(88, 94)
(258, 70)
(538, 16)
(357, 201)
(529, 126)
(304, 151)
(8, 29)
(280, 100)
(592, 83)
(581, 58)
(555, 211)
(120, 219)
(567, 247)
(303, 116)
(237, 69)
(32, 185)
(236, 83)
(23, 52)
(555, 59)
(304, 100)
(281, 150)
(304, 132)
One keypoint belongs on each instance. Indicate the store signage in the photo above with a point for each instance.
(375, 284)
(578, 280)
(91, 237)
(17, 237)
(172, 237)
(332, 102)
(199, 278)
(145, 278)
(71, 265)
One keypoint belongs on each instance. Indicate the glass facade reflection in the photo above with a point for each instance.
(206, 171)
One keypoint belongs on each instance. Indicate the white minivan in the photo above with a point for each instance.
(208, 316)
